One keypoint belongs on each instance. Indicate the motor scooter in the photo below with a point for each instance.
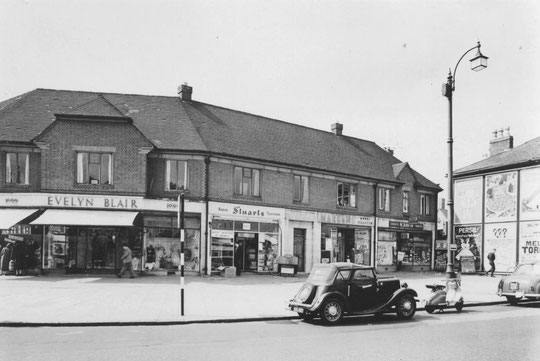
(444, 295)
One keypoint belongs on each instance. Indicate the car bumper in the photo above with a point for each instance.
(518, 294)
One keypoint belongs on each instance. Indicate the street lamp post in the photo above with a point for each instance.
(479, 62)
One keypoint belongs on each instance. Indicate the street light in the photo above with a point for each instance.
(479, 62)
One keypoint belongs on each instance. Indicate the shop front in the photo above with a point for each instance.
(85, 233)
(346, 238)
(245, 237)
(404, 246)
(79, 241)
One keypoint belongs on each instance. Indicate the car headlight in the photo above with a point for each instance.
(304, 293)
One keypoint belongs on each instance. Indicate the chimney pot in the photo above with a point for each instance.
(501, 141)
(185, 92)
(337, 129)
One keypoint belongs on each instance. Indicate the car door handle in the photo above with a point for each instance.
(366, 286)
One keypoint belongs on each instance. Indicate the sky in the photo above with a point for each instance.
(375, 66)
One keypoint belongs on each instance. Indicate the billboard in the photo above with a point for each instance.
(468, 201)
(502, 238)
(529, 242)
(530, 194)
(501, 197)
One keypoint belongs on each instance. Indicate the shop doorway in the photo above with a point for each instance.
(299, 247)
(249, 248)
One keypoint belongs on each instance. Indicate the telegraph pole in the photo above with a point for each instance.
(182, 239)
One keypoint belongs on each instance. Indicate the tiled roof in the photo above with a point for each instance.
(526, 154)
(175, 125)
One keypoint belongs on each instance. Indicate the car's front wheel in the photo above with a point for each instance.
(332, 311)
(512, 300)
(406, 307)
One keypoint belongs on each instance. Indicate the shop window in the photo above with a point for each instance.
(176, 175)
(346, 194)
(425, 204)
(17, 168)
(301, 189)
(94, 168)
(406, 202)
(384, 200)
(246, 181)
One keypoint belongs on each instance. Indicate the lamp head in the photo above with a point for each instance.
(479, 62)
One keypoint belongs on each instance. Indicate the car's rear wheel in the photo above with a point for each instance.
(332, 311)
(406, 307)
(512, 300)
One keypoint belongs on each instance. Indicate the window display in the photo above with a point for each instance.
(386, 247)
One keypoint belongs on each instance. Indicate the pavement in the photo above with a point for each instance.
(77, 300)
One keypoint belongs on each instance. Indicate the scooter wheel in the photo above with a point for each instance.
(430, 309)
(459, 306)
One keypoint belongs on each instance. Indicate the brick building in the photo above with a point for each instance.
(497, 203)
(83, 172)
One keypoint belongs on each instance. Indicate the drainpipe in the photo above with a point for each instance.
(375, 233)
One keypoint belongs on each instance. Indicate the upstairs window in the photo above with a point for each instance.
(301, 189)
(94, 168)
(247, 181)
(17, 168)
(346, 194)
(406, 202)
(384, 200)
(425, 204)
(176, 175)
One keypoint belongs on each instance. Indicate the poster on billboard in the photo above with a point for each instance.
(502, 238)
(530, 194)
(469, 245)
(468, 201)
(501, 191)
(529, 242)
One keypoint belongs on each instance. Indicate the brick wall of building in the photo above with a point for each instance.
(65, 138)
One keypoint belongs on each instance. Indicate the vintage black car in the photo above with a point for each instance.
(335, 289)
(522, 284)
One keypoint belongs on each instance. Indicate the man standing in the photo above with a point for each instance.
(491, 259)
(126, 262)
(238, 258)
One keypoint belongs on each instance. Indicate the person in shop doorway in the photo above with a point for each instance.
(126, 262)
(237, 258)
(491, 259)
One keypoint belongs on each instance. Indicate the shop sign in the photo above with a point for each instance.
(71, 201)
(18, 229)
(241, 210)
(219, 233)
(406, 225)
(344, 219)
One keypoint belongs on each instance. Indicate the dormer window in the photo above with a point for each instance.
(94, 168)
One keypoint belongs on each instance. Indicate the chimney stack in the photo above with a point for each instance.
(337, 129)
(501, 141)
(185, 92)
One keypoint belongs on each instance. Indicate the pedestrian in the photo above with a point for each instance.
(126, 262)
(491, 259)
(5, 257)
(238, 258)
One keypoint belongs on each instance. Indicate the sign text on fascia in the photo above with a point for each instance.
(91, 202)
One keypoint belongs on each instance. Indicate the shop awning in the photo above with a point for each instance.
(11, 216)
(77, 217)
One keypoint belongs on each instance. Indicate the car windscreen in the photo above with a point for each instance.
(321, 276)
